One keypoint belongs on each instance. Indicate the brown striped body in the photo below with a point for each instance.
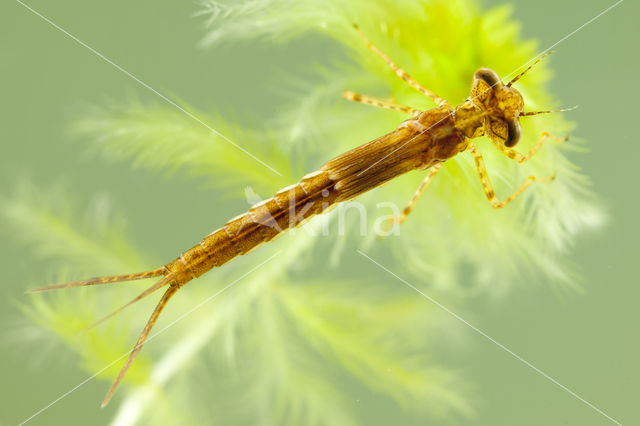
(419, 143)
(426, 140)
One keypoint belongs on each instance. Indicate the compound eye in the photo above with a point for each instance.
(514, 133)
(489, 76)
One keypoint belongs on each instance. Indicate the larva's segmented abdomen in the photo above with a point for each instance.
(263, 222)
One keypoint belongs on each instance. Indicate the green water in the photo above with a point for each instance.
(588, 342)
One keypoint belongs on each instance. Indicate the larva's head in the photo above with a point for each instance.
(502, 105)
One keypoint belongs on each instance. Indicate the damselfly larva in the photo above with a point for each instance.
(425, 141)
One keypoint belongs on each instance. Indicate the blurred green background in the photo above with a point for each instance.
(588, 342)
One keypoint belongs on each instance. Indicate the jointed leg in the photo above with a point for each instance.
(402, 73)
(488, 188)
(520, 158)
(414, 199)
(369, 100)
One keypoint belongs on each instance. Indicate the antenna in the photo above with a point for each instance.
(516, 78)
(530, 113)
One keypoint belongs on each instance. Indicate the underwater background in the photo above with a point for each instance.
(101, 176)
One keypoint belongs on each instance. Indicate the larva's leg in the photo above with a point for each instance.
(521, 158)
(488, 188)
(402, 73)
(414, 199)
(369, 100)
